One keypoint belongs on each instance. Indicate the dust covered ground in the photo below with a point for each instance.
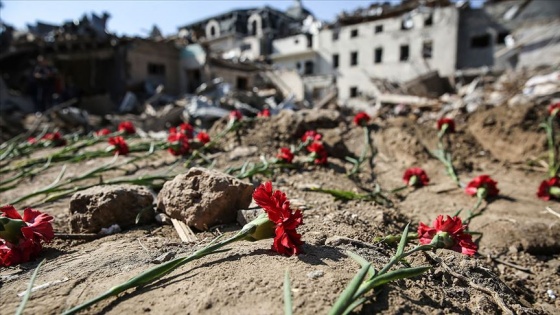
(519, 254)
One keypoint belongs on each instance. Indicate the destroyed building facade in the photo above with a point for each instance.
(403, 42)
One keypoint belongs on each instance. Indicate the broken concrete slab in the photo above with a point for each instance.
(203, 198)
(102, 206)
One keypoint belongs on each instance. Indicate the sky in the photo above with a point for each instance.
(129, 17)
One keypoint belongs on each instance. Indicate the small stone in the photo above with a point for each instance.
(163, 258)
(242, 152)
(203, 198)
(163, 218)
(316, 274)
(102, 206)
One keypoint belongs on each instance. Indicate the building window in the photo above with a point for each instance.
(156, 69)
(298, 65)
(378, 55)
(354, 58)
(309, 40)
(245, 47)
(335, 61)
(481, 41)
(212, 31)
(427, 48)
(354, 33)
(429, 20)
(308, 67)
(241, 83)
(296, 41)
(378, 29)
(404, 53)
(335, 35)
(501, 39)
(254, 28)
(354, 91)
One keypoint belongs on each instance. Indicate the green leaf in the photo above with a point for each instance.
(29, 289)
(351, 160)
(362, 261)
(287, 294)
(347, 296)
(355, 304)
(342, 194)
(402, 243)
(397, 275)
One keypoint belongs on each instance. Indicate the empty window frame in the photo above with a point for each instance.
(354, 33)
(379, 28)
(378, 55)
(354, 58)
(335, 61)
(354, 91)
(480, 41)
(501, 39)
(335, 35)
(308, 67)
(405, 54)
(427, 49)
(429, 21)
(156, 69)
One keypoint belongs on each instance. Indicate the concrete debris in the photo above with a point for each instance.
(100, 207)
(203, 198)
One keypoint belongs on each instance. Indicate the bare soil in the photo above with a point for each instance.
(518, 261)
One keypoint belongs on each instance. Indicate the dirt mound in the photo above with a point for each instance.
(516, 271)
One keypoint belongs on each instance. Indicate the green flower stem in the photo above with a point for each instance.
(370, 284)
(445, 158)
(58, 186)
(394, 239)
(365, 148)
(214, 140)
(142, 181)
(159, 271)
(550, 136)
(396, 190)
(22, 174)
(472, 212)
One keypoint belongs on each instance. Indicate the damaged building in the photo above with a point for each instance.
(418, 38)
(98, 67)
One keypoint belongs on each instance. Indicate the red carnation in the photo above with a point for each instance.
(203, 137)
(55, 139)
(549, 189)
(311, 135)
(235, 115)
(119, 145)
(318, 152)
(287, 241)
(264, 113)
(179, 144)
(416, 176)
(21, 237)
(361, 119)
(286, 155)
(447, 233)
(450, 123)
(187, 129)
(172, 130)
(482, 186)
(554, 109)
(102, 132)
(127, 127)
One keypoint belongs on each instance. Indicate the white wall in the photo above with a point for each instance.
(290, 45)
(443, 34)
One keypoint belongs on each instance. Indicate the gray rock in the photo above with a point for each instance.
(203, 198)
(246, 216)
(102, 206)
